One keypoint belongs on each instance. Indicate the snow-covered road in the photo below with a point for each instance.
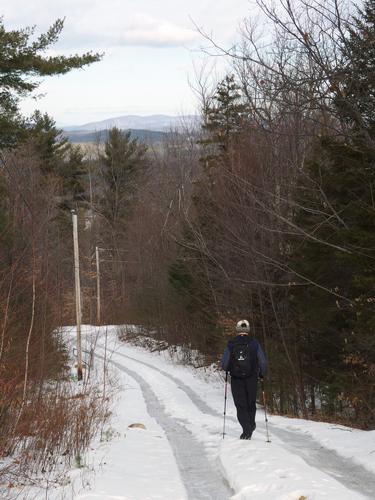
(351, 475)
(181, 454)
(189, 410)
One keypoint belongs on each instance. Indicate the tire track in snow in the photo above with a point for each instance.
(202, 481)
(351, 475)
(195, 398)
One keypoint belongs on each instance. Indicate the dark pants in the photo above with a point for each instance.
(244, 391)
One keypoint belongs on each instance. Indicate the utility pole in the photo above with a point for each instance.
(78, 295)
(98, 309)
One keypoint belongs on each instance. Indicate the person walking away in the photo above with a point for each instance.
(245, 360)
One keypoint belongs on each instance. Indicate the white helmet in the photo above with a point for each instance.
(243, 326)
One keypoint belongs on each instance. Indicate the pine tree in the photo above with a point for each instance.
(191, 274)
(22, 62)
(356, 97)
(49, 143)
(72, 173)
(223, 118)
(121, 163)
(58, 158)
(334, 262)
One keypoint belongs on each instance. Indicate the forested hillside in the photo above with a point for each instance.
(87, 136)
(266, 212)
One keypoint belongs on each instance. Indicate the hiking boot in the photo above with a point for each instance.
(246, 435)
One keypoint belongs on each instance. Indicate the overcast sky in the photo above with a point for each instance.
(149, 46)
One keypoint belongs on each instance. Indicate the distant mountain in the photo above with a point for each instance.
(159, 123)
(84, 136)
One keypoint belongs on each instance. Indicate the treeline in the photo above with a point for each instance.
(44, 419)
(265, 213)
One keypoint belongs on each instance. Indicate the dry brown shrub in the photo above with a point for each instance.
(55, 431)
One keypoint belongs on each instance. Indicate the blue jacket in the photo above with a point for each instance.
(262, 361)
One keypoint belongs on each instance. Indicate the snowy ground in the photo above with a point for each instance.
(181, 454)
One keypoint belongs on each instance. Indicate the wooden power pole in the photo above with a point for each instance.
(98, 306)
(78, 295)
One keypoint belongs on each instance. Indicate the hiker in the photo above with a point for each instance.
(244, 359)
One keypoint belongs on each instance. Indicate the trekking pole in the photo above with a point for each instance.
(265, 411)
(225, 400)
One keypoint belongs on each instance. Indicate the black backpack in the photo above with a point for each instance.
(243, 359)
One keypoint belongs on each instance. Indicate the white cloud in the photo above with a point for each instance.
(157, 33)
(142, 30)
(101, 24)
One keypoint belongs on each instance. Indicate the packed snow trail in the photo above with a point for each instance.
(196, 399)
(350, 474)
(201, 479)
(347, 472)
